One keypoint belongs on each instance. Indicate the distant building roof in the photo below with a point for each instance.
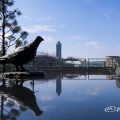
(58, 43)
(113, 56)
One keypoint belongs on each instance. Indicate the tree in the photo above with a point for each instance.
(10, 32)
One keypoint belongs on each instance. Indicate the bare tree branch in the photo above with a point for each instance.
(10, 35)
(12, 43)
(8, 31)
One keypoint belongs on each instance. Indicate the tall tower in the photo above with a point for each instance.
(58, 50)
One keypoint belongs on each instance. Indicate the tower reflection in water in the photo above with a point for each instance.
(118, 83)
(58, 85)
(12, 93)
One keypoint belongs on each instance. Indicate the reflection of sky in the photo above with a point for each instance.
(79, 100)
(94, 77)
(88, 77)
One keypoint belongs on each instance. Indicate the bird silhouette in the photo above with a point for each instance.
(22, 55)
(23, 96)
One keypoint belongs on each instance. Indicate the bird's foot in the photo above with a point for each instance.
(23, 69)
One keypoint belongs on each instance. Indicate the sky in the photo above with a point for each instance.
(86, 28)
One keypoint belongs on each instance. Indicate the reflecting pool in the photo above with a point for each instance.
(69, 97)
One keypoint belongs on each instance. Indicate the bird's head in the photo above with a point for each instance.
(37, 41)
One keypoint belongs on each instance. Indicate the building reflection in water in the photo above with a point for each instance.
(13, 93)
(118, 83)
(72, 76)
(110, 77)
(58, 85)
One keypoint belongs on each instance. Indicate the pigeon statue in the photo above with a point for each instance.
(22, 55)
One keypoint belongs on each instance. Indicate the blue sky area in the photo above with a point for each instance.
(86, 28)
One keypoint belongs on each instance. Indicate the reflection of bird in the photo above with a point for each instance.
(22, 55)
(23, 96)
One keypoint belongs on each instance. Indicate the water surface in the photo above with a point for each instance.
(62, 98)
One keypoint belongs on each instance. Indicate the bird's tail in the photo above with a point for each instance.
(2, 60)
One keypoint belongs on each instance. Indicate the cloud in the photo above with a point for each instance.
(77, 37)
(39, 28)
(48, 107)
(95, 90)
(34, 18)
(111, 12)
(118, 47)
(89, 1)
(48, 18)
(63, 26)
(106, 14)
(94, 44)
(46, 98)
(49, 39)
(116, 25)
